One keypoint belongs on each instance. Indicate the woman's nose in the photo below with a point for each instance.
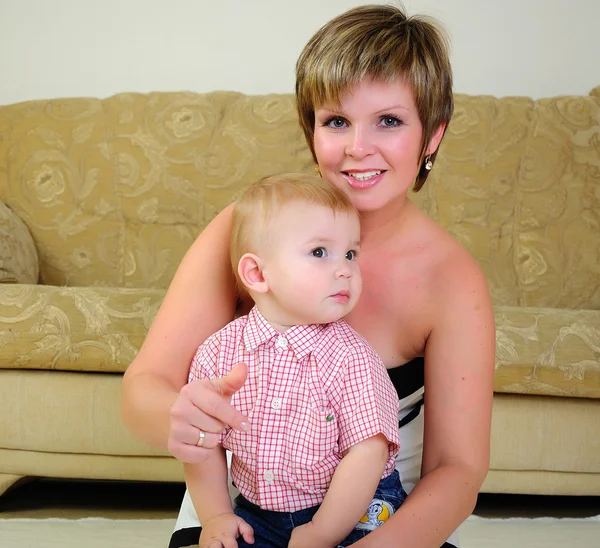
(359, 144)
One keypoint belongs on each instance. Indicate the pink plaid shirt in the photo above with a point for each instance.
(311, 393)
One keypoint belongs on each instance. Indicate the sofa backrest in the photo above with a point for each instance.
(518, 183)
(114, 191)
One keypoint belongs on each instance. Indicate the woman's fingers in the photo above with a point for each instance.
(233, 381)
(188, 453)
(216, 406)
(204, 406)
(193, 408)
(214, 399)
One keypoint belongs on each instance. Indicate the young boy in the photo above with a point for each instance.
(322, 409)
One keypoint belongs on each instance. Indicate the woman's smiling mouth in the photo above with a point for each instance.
(363, 179)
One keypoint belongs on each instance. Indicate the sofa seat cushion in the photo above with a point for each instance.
(547, 351)
(18, 255)
(95, 329)
(65, 412)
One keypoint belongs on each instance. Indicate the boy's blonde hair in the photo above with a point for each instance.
(256, 207)
(382, 43)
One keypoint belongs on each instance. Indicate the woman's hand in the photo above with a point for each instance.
(223, 531)
(204, 406)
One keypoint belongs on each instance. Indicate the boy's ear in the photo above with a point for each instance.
(250, 272)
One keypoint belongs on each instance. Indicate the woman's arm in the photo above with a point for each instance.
(459, 368)
(201, 300)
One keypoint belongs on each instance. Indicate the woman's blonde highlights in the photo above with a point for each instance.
(381, 43)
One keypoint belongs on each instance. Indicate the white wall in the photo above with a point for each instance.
(58, 48)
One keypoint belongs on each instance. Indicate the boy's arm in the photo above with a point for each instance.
(207, 481)
(207, 484)
(368, 436)
(352, 488)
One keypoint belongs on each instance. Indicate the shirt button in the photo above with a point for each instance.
(276, 404)
(269, 476)
(282, 342)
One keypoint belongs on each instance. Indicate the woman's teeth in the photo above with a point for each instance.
(366, 175)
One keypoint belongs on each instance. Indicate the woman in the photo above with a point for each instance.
(374, 98)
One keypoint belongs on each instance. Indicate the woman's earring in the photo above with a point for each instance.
(318, 169)
(428, 163)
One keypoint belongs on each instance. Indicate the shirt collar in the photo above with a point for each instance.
(301, 338)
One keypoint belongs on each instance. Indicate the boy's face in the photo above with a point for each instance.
(310, 263)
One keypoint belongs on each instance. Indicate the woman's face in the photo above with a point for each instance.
(369, 145)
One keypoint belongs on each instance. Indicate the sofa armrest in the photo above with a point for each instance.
(97, 329)
(19, 262)
(547, 351)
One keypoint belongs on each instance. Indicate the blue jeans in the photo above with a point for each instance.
(274, 529)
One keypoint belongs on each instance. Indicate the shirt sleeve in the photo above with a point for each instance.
(369, 402)
(205, 363)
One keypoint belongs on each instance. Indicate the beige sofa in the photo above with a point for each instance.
(103, 197)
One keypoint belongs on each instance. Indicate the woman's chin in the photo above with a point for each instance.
(372, 204)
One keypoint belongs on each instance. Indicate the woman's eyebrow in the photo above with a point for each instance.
(400, 106)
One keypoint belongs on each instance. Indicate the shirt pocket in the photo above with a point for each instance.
(316, 454)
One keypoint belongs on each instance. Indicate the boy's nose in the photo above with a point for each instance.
(343, 269)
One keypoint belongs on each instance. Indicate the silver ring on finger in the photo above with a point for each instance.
(201, 437)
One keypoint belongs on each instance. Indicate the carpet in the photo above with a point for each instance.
(476, 532)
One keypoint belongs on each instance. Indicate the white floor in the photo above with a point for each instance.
(475, 533)
(48, 514)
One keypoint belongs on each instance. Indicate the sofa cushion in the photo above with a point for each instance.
(547, 351)
(116, 190)
(18, 256)
(539, 350)
(73, 328)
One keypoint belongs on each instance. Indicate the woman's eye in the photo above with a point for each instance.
(390, 121)
(319, 252)
(351, 255)
(336, 122)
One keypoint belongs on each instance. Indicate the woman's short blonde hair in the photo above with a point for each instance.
(382, 43)
(257, 205)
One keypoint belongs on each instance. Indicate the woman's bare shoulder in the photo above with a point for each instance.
(455, 286)
(455, 267)
(449, 265)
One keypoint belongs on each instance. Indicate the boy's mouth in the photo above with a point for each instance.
(341, 296)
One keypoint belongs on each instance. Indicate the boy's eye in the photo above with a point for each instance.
(318, 252)
(351, 255)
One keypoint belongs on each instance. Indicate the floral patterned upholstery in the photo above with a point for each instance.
(18, 257)
(114, 191)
